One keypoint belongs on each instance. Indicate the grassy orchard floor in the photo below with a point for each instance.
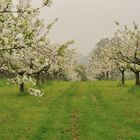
(71, 111)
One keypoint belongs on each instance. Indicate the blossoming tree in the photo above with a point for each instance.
(24, 45)
(129, 48)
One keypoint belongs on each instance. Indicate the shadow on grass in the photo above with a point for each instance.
(134, 90)
(22, 94)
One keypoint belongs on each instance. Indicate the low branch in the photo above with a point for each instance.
(14, 48)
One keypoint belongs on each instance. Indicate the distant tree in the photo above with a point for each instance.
(117, 63)
(81, 70)
(100, 65)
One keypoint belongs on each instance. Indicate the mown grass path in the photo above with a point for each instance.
(71, 111)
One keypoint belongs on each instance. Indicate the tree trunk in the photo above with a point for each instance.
(22, 88)
(107, 75)
(38, 79)
(137, 78)
(103, 75)
(123, 77)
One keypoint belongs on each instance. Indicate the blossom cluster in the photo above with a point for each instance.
(35, 92)
(21, 79)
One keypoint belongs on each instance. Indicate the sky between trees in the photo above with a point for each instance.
(86, 21)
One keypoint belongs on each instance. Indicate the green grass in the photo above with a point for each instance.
(100, 110)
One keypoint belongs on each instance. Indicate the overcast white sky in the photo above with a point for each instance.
(87, 21)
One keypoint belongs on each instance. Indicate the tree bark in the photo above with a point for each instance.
(22, 86)
(123, 77)
(22, 89)
(137, 78)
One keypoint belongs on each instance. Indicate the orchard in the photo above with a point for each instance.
(50, 91)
